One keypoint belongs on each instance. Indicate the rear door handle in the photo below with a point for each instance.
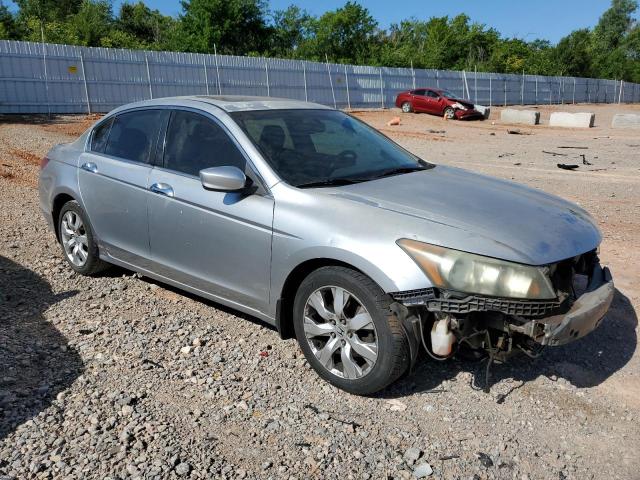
(162, 189)
(90, 167)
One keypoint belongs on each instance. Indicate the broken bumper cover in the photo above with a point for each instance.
(468, 114)
(585, 314)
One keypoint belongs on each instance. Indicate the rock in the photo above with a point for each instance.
(186, 350)
(422, 470)
(396, 405)
(182, 469)
(394, 121)
(411, 455)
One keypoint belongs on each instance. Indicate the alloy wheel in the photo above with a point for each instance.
(74, 238)
(406, 107)
(340, 332)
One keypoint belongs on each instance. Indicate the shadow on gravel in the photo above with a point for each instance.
(584, 363)
(35, 362)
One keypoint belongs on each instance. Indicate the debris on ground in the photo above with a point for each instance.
(555, 154)
(566, 166)
(485, 459)
(584, 160)
(517, 164)
(436, 131)
(574, 146)
(517, 131)
(394, 121)
(507, 154)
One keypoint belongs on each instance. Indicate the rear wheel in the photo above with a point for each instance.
(449, 113)
(347, 332)
(78, 243)
(406, 107)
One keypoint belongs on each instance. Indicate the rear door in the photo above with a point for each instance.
(418, 101)
(217, 242)
(113, 182)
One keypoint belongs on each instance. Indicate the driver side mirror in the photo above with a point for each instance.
(223, 179)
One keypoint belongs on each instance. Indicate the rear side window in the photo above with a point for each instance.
(100, 135)
(418, 92)
(194, 143)
(133, 135)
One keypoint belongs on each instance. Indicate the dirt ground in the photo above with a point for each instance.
(227, 412)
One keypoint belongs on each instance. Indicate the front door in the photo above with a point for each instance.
(113, 179)
(216, 242)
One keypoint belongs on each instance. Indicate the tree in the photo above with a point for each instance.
(8, 26)
(572, 54)
(48, 10)
(291, 28)
(137, 23)
(347, 34)
(234, 26)
(608, 39)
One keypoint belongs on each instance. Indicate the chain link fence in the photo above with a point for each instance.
(50, 78)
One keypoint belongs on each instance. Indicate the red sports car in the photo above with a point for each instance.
(437, 102)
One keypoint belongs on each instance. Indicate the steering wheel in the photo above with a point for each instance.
(345, 158)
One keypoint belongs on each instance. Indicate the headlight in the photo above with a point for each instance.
(469, 273)
(459, 106)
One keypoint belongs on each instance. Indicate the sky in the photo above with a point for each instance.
(545, 19)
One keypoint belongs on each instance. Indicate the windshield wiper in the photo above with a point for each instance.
(399, 171)
(329, 182)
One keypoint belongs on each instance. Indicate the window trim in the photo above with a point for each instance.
(152, 153)
(250, 171)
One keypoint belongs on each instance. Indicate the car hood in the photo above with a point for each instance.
(466, 211)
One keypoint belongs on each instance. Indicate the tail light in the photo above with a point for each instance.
(43, 162)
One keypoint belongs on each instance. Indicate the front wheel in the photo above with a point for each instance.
(347, 332)
(406, 107)
(449, 113)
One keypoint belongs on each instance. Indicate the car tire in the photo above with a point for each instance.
(406, 107)
(346, 368)
(450, 113)
(74, 230)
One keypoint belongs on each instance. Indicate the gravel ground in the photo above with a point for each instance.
(120, 377)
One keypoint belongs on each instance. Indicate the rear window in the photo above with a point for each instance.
(133, 135)
(100, 135)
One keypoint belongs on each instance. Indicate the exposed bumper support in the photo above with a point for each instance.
(585, 314)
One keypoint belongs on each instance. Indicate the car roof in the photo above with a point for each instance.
(230, 103)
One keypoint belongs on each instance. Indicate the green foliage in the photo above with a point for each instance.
(348, 34)
(235, 26)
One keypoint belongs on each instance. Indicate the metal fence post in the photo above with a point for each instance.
(215, 55)
(346, 82)
(146, 61)
(475, 85)
(536, 89)
(522, 90)
(381, 88)
(266, 71)
(84, 79)
(505, 91)
(46, 76)
(574, 90)
(413, 75)
(333, 93)
(437, 80)
(304, 76)
(620, 92)
(206, 75)
(490, 92)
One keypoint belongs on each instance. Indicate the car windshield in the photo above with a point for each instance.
(449, 95)
(313, 148)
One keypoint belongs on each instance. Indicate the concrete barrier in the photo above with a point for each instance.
(626, 120)
(572, 120)
(485, 111)
(525, 117)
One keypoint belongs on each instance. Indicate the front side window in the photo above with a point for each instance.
(324, 147)
(133, 135)
(432, 94)
(418, 92)
(100, 135)
(195, 142)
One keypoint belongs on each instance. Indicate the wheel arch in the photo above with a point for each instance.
(58, 202)
(284, 304)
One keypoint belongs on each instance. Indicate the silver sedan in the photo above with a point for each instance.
(312, 221)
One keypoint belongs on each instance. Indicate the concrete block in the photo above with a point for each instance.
(572, 120)
(626, 120)
(525, 117)
(485, 111)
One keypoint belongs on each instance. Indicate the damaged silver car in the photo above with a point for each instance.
(318, 224)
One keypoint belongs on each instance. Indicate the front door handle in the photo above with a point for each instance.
(90, 167)
(162, 189)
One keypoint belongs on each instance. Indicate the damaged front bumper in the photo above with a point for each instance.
(545, 322)
(584, 316)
